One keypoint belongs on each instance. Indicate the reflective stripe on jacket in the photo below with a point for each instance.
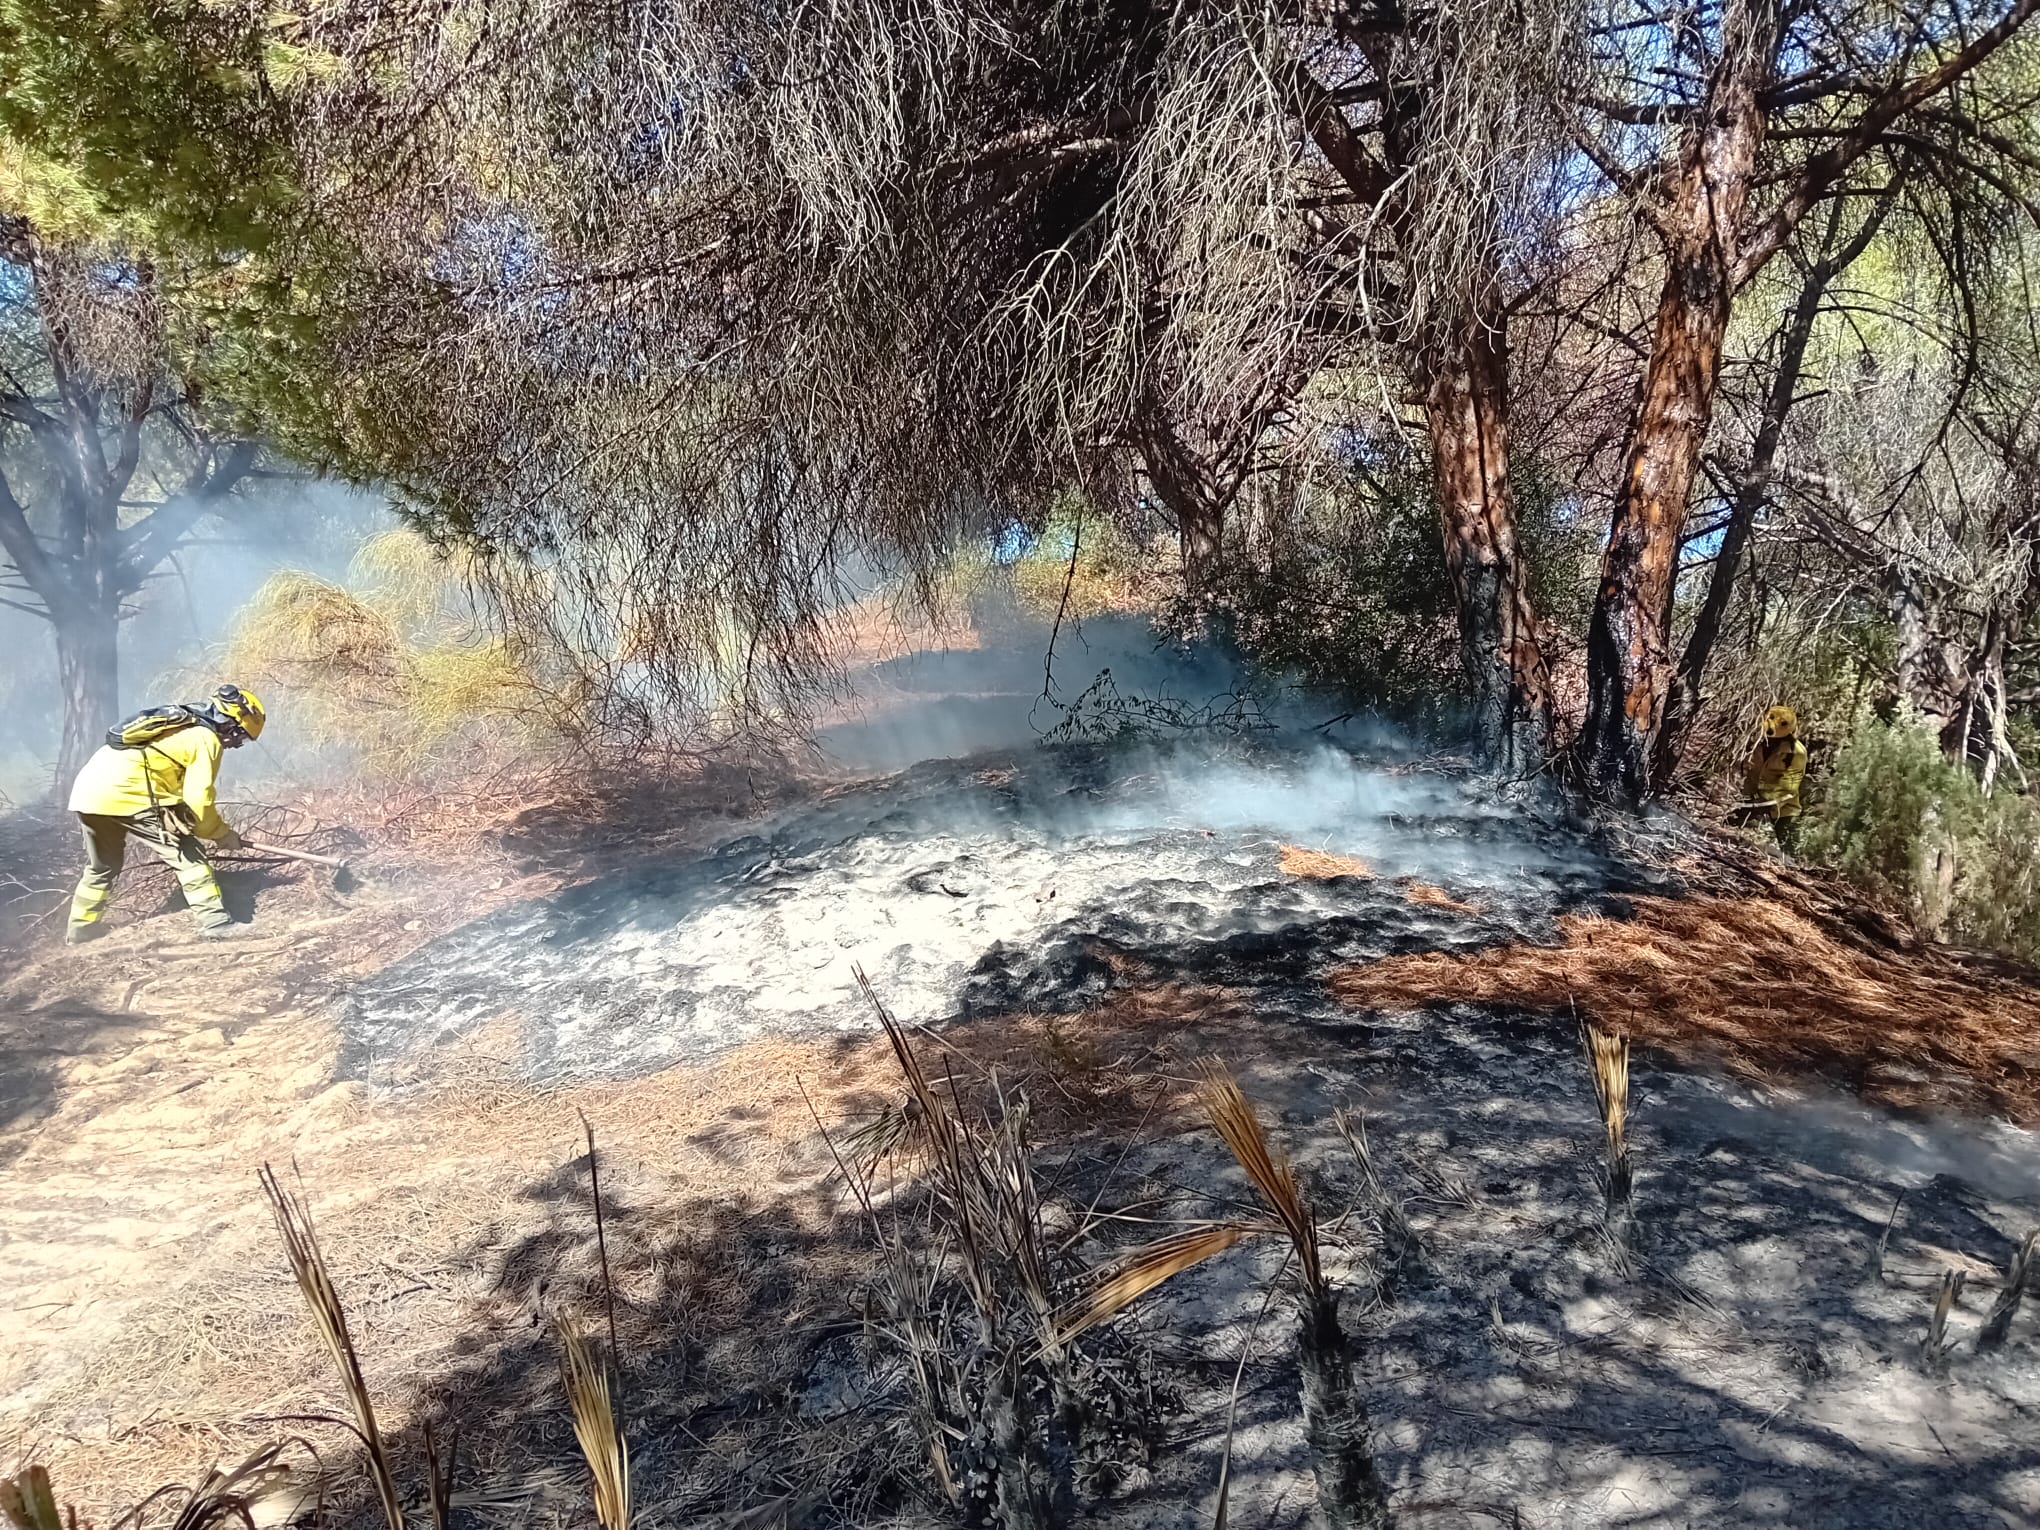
(182, 768)
(1775, 775)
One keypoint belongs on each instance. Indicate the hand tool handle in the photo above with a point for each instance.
(295, 855)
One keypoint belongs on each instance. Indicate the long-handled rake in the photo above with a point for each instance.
(344, 879)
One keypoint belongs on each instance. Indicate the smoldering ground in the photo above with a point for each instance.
(1009, 880)
(1091, 920)
(1755, 1356)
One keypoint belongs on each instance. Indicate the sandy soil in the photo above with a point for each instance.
(1756, 1363)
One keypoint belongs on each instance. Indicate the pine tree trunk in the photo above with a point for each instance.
(88, 674)
(1197, 499)
(1200, 531)
(1629, 663)
(1683, 705)
(1467, 411)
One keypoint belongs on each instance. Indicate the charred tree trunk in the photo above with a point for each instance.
(1629, 667)
(88, 675)
(1467, 413)
(1335, 1424)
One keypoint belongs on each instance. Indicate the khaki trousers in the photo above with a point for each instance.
(106, 838)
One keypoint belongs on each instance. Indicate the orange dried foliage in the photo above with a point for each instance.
(1299, 862)
(1436, 897)
(1761, 988)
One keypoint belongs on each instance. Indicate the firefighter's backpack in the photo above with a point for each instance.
(155, 724)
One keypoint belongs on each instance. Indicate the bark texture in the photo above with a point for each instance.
(88, 674)
(1629, 668)
(1467, 414)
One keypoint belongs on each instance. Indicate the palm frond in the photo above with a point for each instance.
(1946, 1295)
(1608, 1062)
(232, 1496)
(315, 1284)
(1608, 1057)
(586, 1379)
(1241, 1131)
(1147, 1268)
(894, 1129)
(1395, 1222)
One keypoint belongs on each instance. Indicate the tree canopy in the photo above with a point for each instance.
(693, 309)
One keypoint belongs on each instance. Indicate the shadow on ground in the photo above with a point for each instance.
(1754, 1360)
(36, 1041)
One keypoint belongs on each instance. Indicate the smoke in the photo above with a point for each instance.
(169, 644)
(1020, 681)
(991, 882)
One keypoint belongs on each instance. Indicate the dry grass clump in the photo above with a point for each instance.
(1435, 897)
(584, 1374)
(1761, 988)
(357, 675)
(1296, 861)
(1322, 865)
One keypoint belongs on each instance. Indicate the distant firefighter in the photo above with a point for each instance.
(154, 779)
(1776, 769)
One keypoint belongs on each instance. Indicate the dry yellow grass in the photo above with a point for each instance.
(1296, 861)
(1435, 897)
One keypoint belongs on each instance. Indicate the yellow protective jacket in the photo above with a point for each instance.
(1776, 771)
(181, 768)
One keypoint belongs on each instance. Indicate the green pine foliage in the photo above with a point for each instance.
(160, 115)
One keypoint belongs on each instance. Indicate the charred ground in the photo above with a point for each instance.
(1823, 1121)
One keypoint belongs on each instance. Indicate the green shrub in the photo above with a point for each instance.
(1901, 820)
(1998, 897)
(1890, 803)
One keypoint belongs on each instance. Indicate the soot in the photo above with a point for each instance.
(1025, 880)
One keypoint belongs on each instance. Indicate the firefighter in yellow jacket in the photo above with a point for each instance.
(154, 780)
(1775, 773)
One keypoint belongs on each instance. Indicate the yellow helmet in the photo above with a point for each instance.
(1781, 722)
(241, 706)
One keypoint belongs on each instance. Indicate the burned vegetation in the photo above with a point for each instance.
(1198, 1213)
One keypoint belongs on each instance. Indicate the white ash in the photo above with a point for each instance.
(965, 883)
